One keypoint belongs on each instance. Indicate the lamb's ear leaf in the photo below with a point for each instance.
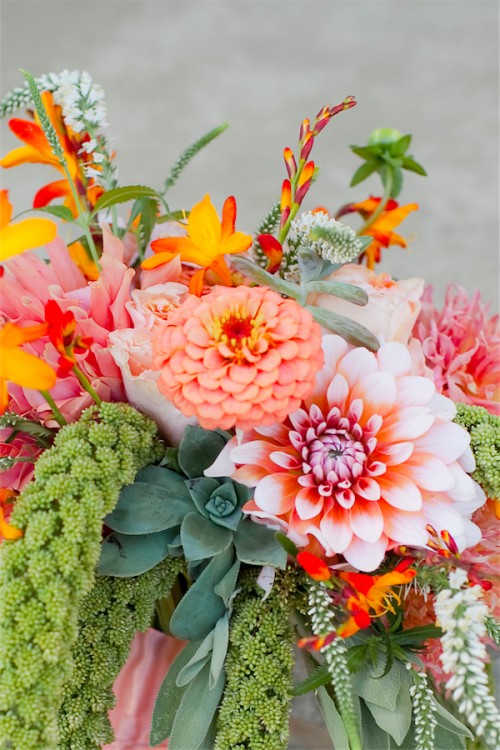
(200, 702)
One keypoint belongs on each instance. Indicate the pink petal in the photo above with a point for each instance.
(415, 391)
(256, 452)
(367, 488)
(428, 472)
(395, 358)
(285, 460)
(408, 423)
(336, 528)
(308, 503)
(337, 392)
(377, 391)
(399, 491)
(367, 521)
(366, 556)
(405, 527)
(445, 440)
(356, 364)
(395, 453)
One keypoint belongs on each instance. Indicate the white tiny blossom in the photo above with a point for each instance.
(346, 245)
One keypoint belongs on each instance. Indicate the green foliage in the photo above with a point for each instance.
(45, 575)
(254, 711)
(122, 195)
(268, 225)
(386, 155)
(352, 332)
(41, 434)
(190, 153)
(60, 212)
(110, 615)
(484, 429)
(45, 123)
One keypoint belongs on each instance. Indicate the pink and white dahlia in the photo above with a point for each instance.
(368, 461)
(239, 357)
(461, 345)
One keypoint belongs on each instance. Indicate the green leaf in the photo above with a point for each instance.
(220, 645)
(401, 146)
(413, 166)
(417, 635)
(197, 661)
(352, 332)
(348, 292)
(257, 545)
(450, 723)
(364, 171)
(263, 278)
(371, 735)
(316, 679)
(191, 152)
(126, 556)
(147, 209)
(287, 544)
(169, 697)
(62, 212)
(333, 721)
(201, 538)
(122, 195)
(226, 586)
(200, 608)
(382, 691)
(198, 450)
(367, 152)
(196, 710)
(397, 182)
(395, 722)
(145, 508)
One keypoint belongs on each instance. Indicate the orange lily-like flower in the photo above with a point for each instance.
(382, 228)
(18, 366)
(38, 150)
(17, 237)
(207, 241)
(372, 596)
(314, 566)
(7, 530)
(62, 334)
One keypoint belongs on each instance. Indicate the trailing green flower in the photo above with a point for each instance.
(254, 711)
(110, 615)
(484, 429)
(45, 575)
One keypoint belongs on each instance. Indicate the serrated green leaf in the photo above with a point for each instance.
(257, 545)
(145, 508)
(124, 556)
(200, 608)
(169, 697)
(348, 292)
(413, 166)
(147, 210)
(62, 212)
(190, 153)
(364, 171)
(401, 146)
(123, 195)
(198, 450)
(316, 679)
(333, 720)
(352, 332)
(202, 539)
(417, 635)
(196, 710)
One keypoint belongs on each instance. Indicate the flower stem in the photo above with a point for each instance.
(383, 203)
(85, 383)
(56, 413)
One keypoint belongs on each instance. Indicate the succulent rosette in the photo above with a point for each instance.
(368, 462)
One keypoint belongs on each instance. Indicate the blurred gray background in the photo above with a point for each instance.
(174, 69)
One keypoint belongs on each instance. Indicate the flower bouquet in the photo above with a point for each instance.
(252, 449)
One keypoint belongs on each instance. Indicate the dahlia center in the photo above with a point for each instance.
(335, 459)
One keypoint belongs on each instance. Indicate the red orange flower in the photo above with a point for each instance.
(7, 531)
(207, 241)
(62, 333)
(20, 367)
(238, 357)
(314, 566)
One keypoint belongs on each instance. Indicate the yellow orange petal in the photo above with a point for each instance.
(390, 219)
(196, 283)
(26, 370)
(25, 235)
(236, 243)
(219, 267)
(5, 208)
(204, 229)
(228, 217)
(79, 255)
(23, 155)
(182, 246)
(156, 260)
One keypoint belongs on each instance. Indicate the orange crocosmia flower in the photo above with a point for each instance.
(207, 241)
(382, 228)
(20, 367)
(16, 238)
(7, 531)
(314, 566)
(372, 596)
(62, 334)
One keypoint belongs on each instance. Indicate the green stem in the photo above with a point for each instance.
(55, 411)
(82, 214)
(383, 203)
(85, 383)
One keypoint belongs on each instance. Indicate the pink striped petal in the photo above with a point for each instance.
(308, 503)
(378, 393)
(367, 488)
(428, 472)
(337, 392)
(408, 423)
(395, 453)
(398, 490)
(356, 364)
(286, 460)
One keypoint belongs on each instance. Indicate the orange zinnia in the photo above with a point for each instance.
(207, 241)
(23, 235)
(18, 366)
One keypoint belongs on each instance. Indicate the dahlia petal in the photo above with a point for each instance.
(395, 358)
(308, 503)
(395, 453)
(285, 460)
(407, 423)
(444, 517)
(378, 392)
(337, 392)
(404, 527)
(366, 556)
(465, 489)
(400, 491)
(255, 453)
(335, 526)
(445, 440)
(467, 461)
(223, 466)
(442, 407)
(367, 488)
(428, 472)
(356, 364)
(367, 521)
(276, 493)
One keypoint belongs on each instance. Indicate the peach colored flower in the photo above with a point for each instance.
(370, 458)
(239, 356)
(393, 306)
(461, 344)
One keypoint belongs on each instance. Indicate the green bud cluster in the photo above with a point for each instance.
(110, 615)
(484, 429)
(45, 574)
(256, 703)
(268, 225)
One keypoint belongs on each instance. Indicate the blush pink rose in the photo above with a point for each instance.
(393, 306)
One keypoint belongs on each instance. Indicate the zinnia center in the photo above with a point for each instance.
(236, 328)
